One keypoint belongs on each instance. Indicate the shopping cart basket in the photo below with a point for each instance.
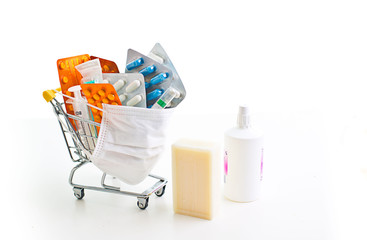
(80, 143)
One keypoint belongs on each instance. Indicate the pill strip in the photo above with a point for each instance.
(130, 88)
(157, 77)
(97, 94)
(159, 54)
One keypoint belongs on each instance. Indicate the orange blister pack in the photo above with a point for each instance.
(107, 66)
(99, 93)
(69, 76)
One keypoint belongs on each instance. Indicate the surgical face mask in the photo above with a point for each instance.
(130, 141)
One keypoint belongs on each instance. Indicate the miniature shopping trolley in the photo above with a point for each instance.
(80, 145)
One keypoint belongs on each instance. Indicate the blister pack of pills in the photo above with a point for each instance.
(99, 93)
(107, 66)
(149, 81)
(130, 88)
(69, 76)
(157, 76)
(160, 55)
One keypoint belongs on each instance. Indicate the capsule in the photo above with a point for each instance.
(119, 84)
(159, 78)
(122, 97)
(65, 80)
(132, 86)
(111, 97)
(135, 100)
(134, 64)
(154, 94)
(147, 85)
(156, 57)
(174, 92)
(86, 93)
(62, 65)
(148, 70)
(96, 97)
(97, 118)
(105, 68)
(101, 93)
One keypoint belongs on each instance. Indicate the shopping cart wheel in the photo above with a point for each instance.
(143, 203)
(78, 192)
(161, 191)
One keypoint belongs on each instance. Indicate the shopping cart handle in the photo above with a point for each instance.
(48, 95)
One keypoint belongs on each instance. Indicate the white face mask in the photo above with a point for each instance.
(130, 141)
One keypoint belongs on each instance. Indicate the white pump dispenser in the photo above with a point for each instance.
(243, 159)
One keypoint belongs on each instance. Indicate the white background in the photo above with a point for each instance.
(301, 65)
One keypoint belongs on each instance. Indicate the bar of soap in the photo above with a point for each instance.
(195, 178)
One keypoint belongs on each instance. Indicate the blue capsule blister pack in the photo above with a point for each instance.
(157, 77)
(160, 55)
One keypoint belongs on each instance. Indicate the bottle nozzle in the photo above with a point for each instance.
(243, 119)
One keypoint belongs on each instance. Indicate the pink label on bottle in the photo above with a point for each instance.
(225, 165)
(261, 170)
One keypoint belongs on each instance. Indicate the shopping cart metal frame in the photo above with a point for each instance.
(80, 146)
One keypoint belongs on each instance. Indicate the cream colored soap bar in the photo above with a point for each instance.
(195, 177)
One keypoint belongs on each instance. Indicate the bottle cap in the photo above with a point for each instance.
(243, 118)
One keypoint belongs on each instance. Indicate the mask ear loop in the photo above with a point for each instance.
(76, 100)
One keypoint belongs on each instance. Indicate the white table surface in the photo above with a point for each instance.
(309, 192)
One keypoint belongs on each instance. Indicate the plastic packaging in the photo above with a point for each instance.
(156, 75)
(166, 99)
(81, 110)
(243, 159)
(91, 71)
(130, 88)
(160, 55)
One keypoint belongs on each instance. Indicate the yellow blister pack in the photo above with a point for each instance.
(99, 93)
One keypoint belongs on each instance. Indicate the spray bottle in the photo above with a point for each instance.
(243, 159)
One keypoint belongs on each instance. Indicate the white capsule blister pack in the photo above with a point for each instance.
(176, 88)
(130, 88)
(157, 77)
